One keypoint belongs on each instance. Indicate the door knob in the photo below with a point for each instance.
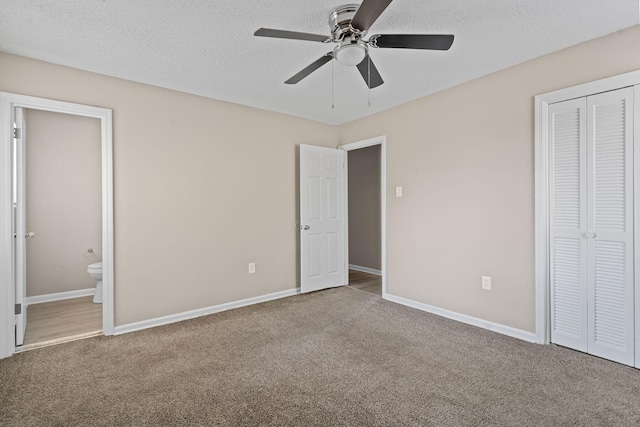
(305, 227)
(590, 235)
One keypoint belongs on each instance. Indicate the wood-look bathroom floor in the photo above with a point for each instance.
(61, 321)
(365, 282)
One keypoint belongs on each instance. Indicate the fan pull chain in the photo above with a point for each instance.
(369, 78)
(332, 84)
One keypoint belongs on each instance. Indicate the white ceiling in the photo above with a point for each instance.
(207, 47)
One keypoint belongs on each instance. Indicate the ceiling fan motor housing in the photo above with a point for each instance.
(340, 21)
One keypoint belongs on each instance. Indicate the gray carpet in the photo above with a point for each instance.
(337, 357)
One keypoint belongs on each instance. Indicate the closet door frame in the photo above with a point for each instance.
(542, 273)
(636, 210)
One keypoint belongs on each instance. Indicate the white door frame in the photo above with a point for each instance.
(20, 223)
(8, 103)
(382, 142)
(543, 302)
(636, 215)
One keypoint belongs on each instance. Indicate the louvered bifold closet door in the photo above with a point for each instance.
(610, 226)
(568, 223)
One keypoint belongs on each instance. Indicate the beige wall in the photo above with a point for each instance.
(63, 186)
(201, 189)
(364, 207)
(465, 157)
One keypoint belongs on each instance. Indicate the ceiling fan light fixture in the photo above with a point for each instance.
(350, 54)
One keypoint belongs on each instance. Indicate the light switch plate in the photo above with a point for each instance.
(252, 267)
(398, 191)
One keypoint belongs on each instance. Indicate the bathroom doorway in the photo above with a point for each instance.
(58, 216)
(62, 213)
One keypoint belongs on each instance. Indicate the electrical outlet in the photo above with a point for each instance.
(398, 191)
(486, 283)
(252, 267)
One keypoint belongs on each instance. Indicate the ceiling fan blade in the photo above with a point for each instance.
(282, 34)
(370, 73)
(367, 14)
(310, 68)
(412, 41)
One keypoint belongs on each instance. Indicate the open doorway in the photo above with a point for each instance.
(14, 295)
(365, 177)
(324, 216)
(365, 256)
(59, 179)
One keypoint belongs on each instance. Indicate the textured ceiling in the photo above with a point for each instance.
(207, 47)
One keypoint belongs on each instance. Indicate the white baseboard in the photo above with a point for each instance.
(365, 269)
(191, 314)
(474, 321)
(58, 296)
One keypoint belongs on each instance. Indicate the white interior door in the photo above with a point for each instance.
(19, 224)
(591, 225)
(610, 225)
(322, 218)
(568, 223)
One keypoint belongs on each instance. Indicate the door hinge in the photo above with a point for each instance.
(18, 308)
(16, 133)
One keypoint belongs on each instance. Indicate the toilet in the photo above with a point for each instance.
(95, 271)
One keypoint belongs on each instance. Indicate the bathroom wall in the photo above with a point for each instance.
(364, 207)
(63, 177)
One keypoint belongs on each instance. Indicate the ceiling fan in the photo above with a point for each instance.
(349, 25)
